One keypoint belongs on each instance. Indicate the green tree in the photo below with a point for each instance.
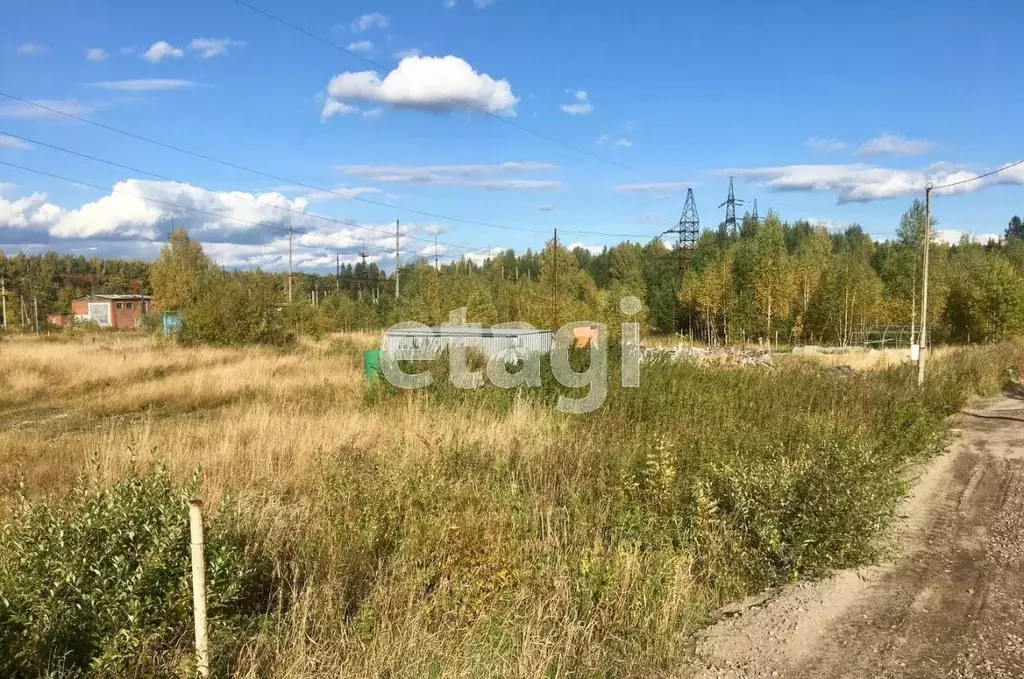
(1015, 229)
(180, 272)
(773, 275)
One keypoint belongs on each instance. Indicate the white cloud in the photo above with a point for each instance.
(482, 256)
(432, 250)
(604, 139)
(592, 249)
(547, 207)
(127, 50)
(408, 52)
(953, 236)
(213, 47)
(126, 213)
(434, 229)
(652, 187)
(12, 143)
(31, 212)
(340, 193)
(624, 143)
(582, 107)
(474, 176)
(162, 50)
(830, 224)
(333, 107)
(73, 107)
(368, 21)
(825, 144)
(360, 46)
(436, 84)
(7, 189)
(528, 166)
(373, 113)
(516, 184)
(96, 54)
(894, 145)
(1009, 175)
(863, 183)
(480, 4)
(144, 85)
(32, 48)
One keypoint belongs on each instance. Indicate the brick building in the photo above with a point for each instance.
(113, 311)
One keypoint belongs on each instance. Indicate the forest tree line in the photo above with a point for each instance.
(771, 279)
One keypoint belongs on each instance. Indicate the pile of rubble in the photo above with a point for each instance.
(727, 356)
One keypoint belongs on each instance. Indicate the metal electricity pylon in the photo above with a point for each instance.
(687, 231)
(729, 225)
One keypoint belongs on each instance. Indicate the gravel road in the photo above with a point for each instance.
(950, 605)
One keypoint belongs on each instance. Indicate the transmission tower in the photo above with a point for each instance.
(729, 225)
(687, 231)
(754, 215)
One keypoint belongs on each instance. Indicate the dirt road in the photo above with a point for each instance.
(950, 605)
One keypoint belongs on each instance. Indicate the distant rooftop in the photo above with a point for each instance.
(117, 297)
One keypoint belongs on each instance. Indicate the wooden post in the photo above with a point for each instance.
(923, 349)
(195, 516)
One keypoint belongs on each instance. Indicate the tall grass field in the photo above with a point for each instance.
(359, 531)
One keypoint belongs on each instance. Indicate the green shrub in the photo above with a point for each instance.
(236, 313)
(100, 582)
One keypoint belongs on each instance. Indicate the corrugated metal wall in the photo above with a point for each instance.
(406, 342)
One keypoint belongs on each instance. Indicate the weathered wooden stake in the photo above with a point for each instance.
(195, 515)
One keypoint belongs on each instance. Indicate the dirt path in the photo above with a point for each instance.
(950, 605)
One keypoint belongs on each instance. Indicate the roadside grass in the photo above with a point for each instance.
(464, 534)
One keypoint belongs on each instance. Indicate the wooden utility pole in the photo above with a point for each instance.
(195, 516)
(35, 305)
(923, 350)
(554, 287)
(3, 299)
(398, 259)
(289, 265)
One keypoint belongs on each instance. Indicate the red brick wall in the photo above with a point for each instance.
(80, 307)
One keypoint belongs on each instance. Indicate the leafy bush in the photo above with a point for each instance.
(235, 313)
(100, 583)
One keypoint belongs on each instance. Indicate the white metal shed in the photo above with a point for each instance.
(405, 342)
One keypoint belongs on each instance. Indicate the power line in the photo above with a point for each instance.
(479, 109)
(97, 159)
(199, 210)
(980, 176)
(295, 182)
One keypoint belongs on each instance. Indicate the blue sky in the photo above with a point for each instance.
(821, 112)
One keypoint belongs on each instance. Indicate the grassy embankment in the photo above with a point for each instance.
(436, 533)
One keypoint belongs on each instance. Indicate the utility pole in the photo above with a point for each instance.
(554, 288)
(437, 265)
(398, 258)
(35, 305)
(923, 351)
(289, 265)
(337, 279)
(359, 279)
(3, 297)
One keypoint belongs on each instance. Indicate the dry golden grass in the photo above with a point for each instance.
(871, 359)
(252, 418)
